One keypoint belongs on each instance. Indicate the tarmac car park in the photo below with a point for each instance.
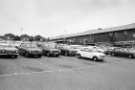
(30, 49)
(75, 72)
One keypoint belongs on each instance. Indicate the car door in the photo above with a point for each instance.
(90, 53)
(83, 52)
(87, 53)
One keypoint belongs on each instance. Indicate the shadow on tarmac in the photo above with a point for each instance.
(101, 61)
(6, 57)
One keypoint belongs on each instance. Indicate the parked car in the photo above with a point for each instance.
(124, 52)
(68, 51)
(14, 43)
(76, 47)
(8, 50)
(91, 54)
(30, 49)
(60, 46)
(97, 48)
(109, 50)
(50, 50)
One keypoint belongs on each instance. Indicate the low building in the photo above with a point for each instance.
(125, 33)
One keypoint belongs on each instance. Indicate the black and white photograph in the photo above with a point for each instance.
(67, 44)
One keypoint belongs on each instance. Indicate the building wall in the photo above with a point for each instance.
(113, 36)
(124, 35)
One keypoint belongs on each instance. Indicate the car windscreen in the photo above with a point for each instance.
(90, 50)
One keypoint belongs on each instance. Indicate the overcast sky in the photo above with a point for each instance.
(55, 17)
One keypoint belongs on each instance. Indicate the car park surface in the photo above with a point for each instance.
(66, 73)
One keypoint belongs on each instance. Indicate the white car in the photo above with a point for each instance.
(91, 54)
(97, 48)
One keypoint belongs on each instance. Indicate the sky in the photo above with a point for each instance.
(51, 18)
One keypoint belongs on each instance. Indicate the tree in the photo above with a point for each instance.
(17, 38)
(39, 38)
(2, 38)
(25, 37)
(9, 36)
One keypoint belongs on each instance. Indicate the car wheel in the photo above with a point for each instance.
(66, 53)
(39, 56)
(112, 54)
(26, 54)
(14, 56)
(23, 54)
(20, 53)
(95, 58)
(130, 56)
(78, 55)
(48, 54)
(57, 55)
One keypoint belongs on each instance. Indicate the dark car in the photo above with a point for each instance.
(68, 51)
(124, 52)
(109, 50)
(50, 51)
(8, 50)
(30, 49)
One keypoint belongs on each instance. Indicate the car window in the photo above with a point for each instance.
(29, 45)
(86, 50)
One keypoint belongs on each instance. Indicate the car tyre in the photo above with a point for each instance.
(26, 54)
(48, 54)
(39, 56)
(95, 58)
(14, 56)
(78, 55)
(66, 53)
(57, 55)
(23, 54)
(130, 56)
(112, 54)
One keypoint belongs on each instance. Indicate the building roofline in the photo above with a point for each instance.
(96, 31)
